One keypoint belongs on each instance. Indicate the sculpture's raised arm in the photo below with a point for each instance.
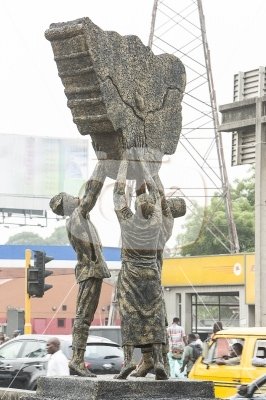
(119, 193)
(93, 188)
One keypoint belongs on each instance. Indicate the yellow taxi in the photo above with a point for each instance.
(220, 364)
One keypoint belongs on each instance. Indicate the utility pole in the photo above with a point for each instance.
(27, 325)
(246, 118)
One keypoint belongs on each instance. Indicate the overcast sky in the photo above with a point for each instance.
(32, 101)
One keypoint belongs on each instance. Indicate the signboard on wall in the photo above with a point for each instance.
(204, 270)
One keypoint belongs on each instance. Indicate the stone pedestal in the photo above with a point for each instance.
(14, 394)
(103, 388)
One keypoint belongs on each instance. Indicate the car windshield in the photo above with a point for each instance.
(34, 348)
(222, 348)
(102, 351)
(11, 350)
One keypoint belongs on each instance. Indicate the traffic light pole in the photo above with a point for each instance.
(27, 325)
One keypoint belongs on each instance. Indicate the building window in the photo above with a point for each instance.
(64, 307)
(178, 305)
(209, 308)
(61, 322)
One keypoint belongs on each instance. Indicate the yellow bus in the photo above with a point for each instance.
(228, 376)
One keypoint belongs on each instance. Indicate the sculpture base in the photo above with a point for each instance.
(105, 387)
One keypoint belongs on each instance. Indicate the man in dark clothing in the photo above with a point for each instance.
(91, 267)
(189, 354)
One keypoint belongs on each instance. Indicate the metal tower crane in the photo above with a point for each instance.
(178, 27)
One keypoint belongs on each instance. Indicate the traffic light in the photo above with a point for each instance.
(36, 275)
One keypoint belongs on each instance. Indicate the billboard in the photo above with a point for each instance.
(42, 166)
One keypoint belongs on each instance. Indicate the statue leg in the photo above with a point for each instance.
(77, 366)
(160, 373)
(129, 366)
(165, 350)
(87, 302)
(146, 363)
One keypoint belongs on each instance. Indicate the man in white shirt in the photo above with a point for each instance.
(57, 362)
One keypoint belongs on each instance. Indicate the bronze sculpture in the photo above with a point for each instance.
(129, 101)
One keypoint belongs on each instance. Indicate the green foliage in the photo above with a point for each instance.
(58, 237)
(211, 223)
(26, 238)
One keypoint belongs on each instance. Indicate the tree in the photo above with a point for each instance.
(206, 231)
(58, 237)
(26, 238)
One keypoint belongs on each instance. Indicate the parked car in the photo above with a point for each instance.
(256, 390)
(227, 378)
(112, 332)
(23, 359)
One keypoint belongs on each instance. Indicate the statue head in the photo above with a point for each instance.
(64, 204)
(177, 206)
(144, 205)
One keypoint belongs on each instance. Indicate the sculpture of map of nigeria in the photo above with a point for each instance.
(119, 92)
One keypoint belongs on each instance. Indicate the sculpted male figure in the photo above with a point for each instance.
(91, 267)
(139, 291)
